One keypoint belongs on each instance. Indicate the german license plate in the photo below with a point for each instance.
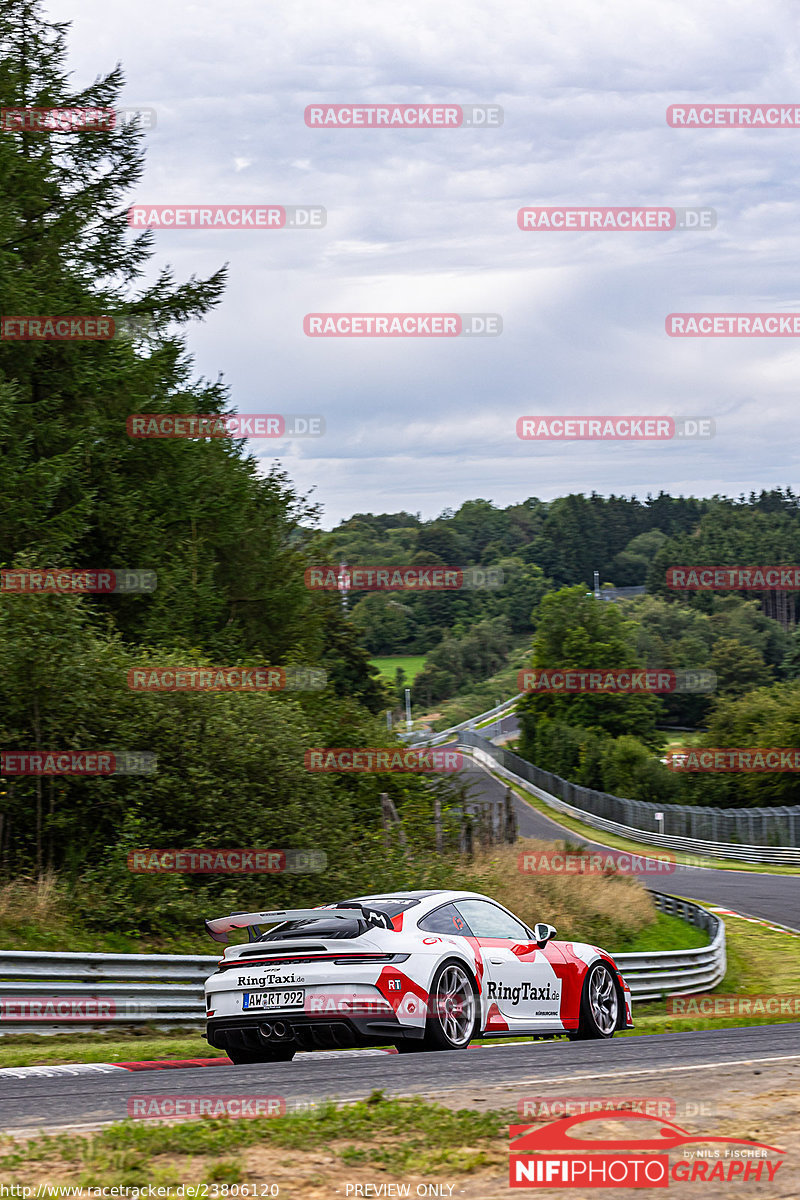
(274, 999)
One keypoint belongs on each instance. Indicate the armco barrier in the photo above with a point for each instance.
(106, 991)
(444, 735)
(784, 822)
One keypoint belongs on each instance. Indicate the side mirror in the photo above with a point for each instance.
(542, 934)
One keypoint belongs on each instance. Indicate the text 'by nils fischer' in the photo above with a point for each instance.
(402, 324)
(625, 219)
(626, 428)
(230, 425)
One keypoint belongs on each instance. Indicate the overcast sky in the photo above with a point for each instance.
(425, 220)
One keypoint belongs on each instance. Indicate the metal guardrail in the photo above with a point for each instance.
(444, 735)
(651, 976)
(50, 992)
(497, 757)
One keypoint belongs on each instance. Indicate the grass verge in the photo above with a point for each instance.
(761, 962)
(410, 664)
(410, 1138)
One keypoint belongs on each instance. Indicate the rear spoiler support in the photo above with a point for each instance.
(220, 927)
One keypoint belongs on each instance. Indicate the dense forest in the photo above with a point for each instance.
(547, 553)
(227, 543)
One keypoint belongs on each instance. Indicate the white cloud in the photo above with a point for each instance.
(426, 221)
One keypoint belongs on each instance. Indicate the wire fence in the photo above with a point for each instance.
(727, 828)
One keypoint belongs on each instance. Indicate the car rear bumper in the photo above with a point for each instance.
(302, 1032)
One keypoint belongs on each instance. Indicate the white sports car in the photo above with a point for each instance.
(422, 970)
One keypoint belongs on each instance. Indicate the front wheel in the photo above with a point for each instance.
(452, 1009)
(599, 1012)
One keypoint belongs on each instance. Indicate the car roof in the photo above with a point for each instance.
(427, 899)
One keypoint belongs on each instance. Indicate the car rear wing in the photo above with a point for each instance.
(220, 927)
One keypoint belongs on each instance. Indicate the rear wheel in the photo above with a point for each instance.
(599, 1014)
(453, 1009)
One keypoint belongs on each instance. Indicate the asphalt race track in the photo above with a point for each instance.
(772, 897)
(36, 1102)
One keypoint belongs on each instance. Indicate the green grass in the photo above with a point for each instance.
(491, 720)
(412, 664)
(31, 1049)
(668, 933)
(412, 1136)
(400, 1136)
(760, 961)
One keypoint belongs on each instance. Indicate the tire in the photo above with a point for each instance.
(240, 1057)
(453, 1016)
(600, 1005)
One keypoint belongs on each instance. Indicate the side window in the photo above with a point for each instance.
(488, 920)
(446, 919)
